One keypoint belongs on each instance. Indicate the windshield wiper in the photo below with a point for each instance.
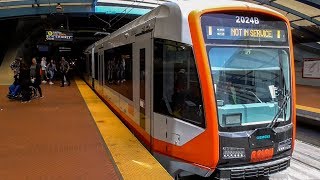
(245, 90)
(282, 107)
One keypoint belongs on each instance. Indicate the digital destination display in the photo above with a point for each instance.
(236, 33)
(58, 36)
(243, 28)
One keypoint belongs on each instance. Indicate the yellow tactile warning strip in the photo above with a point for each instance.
(310, 109)
(308, 98)
(132, 159)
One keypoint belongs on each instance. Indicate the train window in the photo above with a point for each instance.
(177, 86)
(118, 70)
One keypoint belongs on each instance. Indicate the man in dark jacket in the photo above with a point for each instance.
(24, 81)
(36, 76)
(64, 69)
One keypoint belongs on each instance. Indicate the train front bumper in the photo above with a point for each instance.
(256, 170)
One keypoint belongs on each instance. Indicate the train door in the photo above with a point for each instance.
(100, 72)
(142, 88)
(92, 68)
(95, 70)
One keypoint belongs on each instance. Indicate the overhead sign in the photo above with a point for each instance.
(58, 36)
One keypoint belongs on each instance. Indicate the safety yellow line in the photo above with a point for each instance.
(132, 159)
(310, 109)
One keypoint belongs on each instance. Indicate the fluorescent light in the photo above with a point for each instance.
(120, 10)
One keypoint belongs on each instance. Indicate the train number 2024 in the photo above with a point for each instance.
(247, 20)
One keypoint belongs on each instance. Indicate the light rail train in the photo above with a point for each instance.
(208, 87)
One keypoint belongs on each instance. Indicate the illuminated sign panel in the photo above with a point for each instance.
(58, 36)
(243, 28)
(236, 33)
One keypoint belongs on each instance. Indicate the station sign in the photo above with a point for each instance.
(59, 36)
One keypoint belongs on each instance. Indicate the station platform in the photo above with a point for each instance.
(308, 102)
(69, 134)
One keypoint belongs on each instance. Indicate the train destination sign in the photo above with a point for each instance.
(237, 33)
(58, 36)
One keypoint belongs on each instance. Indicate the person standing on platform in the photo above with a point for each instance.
(51, 69)
(24, 81)
(64, 69)
(35, 76)
(43, 69)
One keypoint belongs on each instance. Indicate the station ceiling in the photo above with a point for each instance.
(304, 15)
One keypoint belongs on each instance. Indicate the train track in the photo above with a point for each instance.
(305, 162)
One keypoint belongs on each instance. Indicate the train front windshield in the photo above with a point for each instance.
(250, 66)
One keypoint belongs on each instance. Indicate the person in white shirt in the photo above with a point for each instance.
(43, 70)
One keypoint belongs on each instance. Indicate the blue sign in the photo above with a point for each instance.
(263, 137)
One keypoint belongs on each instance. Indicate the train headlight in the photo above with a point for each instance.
(284, 145)
(233, 153)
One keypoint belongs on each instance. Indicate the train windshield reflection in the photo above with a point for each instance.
(250, 84)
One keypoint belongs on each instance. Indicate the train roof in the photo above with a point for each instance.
(171, 19)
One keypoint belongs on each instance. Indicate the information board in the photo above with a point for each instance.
(236, 33)
(311, 68)
(244, 29)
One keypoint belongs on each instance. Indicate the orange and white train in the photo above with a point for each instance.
(208, 87)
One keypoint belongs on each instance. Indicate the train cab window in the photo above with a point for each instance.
(176, 83)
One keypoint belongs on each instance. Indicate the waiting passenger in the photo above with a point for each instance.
(64, 69)
(35, 75)
(51, 69)
(24, 81)
(43, 69)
